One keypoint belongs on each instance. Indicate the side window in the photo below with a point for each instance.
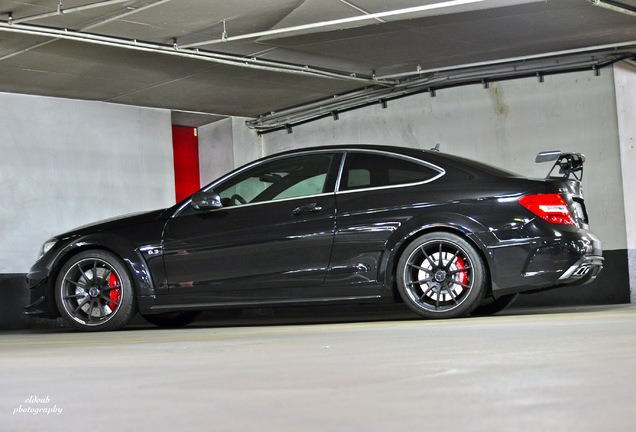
(365, 170)
(358, 178)
(284, 178)
(308, 186)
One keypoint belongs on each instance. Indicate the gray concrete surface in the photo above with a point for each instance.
(568, 369)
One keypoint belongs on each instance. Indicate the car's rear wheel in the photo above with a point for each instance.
(441, 275)
(94, 292)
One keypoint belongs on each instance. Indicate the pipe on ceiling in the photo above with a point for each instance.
(226, 59)
(616, 6)
(369, 96)
(420, 72)
(88, 27)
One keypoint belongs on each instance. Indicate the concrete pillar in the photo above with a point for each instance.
(625, 78)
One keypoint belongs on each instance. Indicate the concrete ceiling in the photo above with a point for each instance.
(269, 59)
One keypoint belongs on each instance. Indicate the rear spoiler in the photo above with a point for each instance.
(570, 164)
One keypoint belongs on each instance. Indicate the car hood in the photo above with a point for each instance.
(116, 222)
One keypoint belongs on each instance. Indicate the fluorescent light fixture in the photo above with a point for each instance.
(337, 22)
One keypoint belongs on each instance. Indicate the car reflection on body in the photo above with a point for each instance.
(445, 235)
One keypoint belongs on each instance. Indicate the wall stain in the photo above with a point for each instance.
(500, 105)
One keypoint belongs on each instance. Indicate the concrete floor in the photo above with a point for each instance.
(571, 369)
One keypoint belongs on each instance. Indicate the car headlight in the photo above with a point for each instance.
(47, 246)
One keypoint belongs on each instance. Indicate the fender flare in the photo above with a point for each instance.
(469, 228)
(133, 259)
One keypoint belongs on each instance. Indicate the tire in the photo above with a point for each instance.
(94, 292)
(441, 275)
(172, 319)
(492, 306)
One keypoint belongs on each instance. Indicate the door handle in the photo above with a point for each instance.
(309, 208)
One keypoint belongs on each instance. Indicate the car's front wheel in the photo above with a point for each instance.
(441, 275)
(94, 292)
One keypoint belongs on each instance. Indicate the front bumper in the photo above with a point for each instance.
(42, 302)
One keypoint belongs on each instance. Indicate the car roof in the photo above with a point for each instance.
(443, 160)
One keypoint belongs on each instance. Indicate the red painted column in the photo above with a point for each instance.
(185, 145)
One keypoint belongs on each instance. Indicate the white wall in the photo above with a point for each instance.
(66, 163)
(249, 146)
(626, 103)
(225, 145)
(216, 150)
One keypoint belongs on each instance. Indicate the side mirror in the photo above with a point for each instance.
(206, 200)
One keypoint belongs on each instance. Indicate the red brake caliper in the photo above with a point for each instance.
(461, 276)
(115, 294)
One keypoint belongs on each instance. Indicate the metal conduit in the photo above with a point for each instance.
(616, 6)
(357, 99)
(89, 27)
(226, 59)
(615, 46)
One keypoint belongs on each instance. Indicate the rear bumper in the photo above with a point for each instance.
(583, 271)
(566, 259)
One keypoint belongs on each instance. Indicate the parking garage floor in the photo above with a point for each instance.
(566, 369)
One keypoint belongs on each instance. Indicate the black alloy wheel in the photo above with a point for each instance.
(94, 292)
(441, 275)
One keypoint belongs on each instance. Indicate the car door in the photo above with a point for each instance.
(375, 198)
(270, 241)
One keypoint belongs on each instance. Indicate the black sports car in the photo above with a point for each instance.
(445, 235)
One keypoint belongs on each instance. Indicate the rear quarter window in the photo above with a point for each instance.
(370, 170)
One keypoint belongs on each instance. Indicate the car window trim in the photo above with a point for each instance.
(441, 171)
(325, 194)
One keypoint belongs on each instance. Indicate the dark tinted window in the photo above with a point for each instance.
(364, 170)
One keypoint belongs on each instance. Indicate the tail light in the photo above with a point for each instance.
(549, 207)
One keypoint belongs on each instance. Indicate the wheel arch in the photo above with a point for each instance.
(132, 262)
(397, 248)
